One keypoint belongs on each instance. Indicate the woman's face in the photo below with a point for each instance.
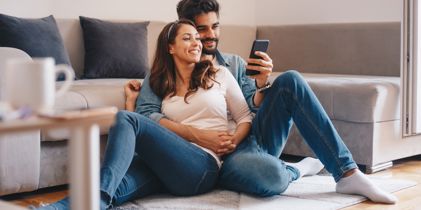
(187, 46)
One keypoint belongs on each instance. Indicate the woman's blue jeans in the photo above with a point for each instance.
(254, 167)
(143, 158)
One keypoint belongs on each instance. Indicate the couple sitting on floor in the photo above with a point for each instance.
(194, 126)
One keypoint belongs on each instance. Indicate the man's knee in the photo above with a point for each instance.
(288, 79)
(122, 116)
(132, 118)
(272, 179)
(255, 175)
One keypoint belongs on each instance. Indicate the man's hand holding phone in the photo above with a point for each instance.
(259, 64)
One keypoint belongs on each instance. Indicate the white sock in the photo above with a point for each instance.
(308, 166)
(358, 183)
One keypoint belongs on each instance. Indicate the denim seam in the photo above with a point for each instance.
(271, 108)
(311, 123)
(106, 191)
(147, 182)
(322, 137)
(202, 179)
(259, 138)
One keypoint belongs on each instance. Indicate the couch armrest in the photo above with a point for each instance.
(7, 53)
(19, 162)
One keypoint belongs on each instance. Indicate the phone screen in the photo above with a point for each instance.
(258, 45)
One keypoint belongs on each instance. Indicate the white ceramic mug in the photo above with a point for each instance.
(32, 83)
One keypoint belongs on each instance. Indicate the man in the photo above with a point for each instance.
(253, 165)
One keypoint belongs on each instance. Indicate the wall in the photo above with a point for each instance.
(163, 10)
(251, 12)
(25, 8)
(286, 12)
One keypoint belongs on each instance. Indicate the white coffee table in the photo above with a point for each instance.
(83, 148)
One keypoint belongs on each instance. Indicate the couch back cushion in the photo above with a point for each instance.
(234, 39)
(38, 37)
(350, 48)
(115, 50)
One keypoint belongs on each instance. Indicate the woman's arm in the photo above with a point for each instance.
(236, 103)
(217, 141)
(239, 109)
(243, 129)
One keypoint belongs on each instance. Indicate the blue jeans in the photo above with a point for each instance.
(143, 158)
(254, 167)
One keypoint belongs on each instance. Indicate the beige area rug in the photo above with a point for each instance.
(314, 192)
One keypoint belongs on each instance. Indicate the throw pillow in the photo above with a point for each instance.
(37, 37)
(114, 49)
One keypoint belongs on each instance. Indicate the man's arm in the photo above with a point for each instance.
(149, 104)
(264, 66)
(131, 92)
(247, 85)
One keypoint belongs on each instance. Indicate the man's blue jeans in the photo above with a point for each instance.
(254, 167)
(143, 158)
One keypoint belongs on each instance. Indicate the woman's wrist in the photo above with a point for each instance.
(190, 134)
(235, 140)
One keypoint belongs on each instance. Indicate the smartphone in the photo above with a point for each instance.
(258, 45)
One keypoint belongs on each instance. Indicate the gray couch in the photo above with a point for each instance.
(353, 69)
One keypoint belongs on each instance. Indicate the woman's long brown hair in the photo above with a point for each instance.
(163, 72)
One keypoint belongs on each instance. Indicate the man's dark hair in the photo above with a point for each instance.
(189, 9)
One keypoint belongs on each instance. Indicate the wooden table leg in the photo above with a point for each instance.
(84, 168)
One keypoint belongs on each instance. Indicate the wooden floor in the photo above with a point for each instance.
(409, 199)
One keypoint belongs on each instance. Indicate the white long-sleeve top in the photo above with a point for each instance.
(220, 108)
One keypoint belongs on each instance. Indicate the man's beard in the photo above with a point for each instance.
(210, 51)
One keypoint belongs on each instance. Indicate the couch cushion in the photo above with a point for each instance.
(230, 42)
(114, 50)
(88, 93)
(102, 92)
(71, 100)
(352, 98)
(37, 37)
(338, 48)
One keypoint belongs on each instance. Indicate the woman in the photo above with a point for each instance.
(142, 157)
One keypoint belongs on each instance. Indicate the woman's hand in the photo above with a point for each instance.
(230, 147)
(131, 92)
(242, 131)
(219, 142)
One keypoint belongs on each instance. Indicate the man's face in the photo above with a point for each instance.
(207, 24)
